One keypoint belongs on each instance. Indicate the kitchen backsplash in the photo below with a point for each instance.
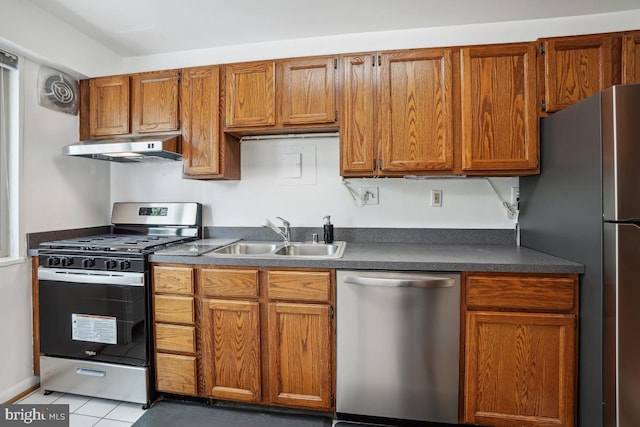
(273, 185)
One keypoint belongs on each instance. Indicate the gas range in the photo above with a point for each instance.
(94, 302)
(138, 229)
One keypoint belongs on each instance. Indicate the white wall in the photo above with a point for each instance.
(30, 31)
(262, 192)
(56, 193)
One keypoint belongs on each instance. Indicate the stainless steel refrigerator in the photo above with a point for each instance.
(585, 206)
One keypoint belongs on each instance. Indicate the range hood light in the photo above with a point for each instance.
(126, 154)
(129, 149)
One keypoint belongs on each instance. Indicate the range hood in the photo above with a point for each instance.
(128, 150)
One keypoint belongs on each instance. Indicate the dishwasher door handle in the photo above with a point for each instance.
(413, 282)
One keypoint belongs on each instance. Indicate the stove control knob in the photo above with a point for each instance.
(88, 262)
(124, 265)
(53, 261)
(66, 261)
(109, 264)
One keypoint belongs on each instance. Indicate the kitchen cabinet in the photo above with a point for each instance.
(631, 57)
(499, 115)
(207, 153)
(230, 327)
(274, 96)
(267, 335)
(108, 106)
(300, 334)
(576, 67)
(132, 104)
(397, 111)
(174, 329)
(520, 353)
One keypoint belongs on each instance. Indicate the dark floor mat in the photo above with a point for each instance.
(174, 414)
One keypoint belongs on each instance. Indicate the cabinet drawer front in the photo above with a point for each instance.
(229, 282)
(299, 285)
(176, 374)
(176, 338)
(173, 309)
(536, 293)
(173, 279)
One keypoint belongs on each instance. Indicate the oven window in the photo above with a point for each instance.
(93, 321)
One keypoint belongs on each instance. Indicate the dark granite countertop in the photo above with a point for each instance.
(404, 256)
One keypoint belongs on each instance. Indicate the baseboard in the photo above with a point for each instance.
(20, 390)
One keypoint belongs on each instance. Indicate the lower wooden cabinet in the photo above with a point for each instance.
(256, 335)
(231, 349)
(520, 350)
(174, 329)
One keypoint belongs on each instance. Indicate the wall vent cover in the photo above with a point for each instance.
(57, 91)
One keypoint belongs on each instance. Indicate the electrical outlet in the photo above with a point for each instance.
(515, 195)
(369, 196)
(436, 198)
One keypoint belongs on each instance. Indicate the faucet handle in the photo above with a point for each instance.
(284, 221)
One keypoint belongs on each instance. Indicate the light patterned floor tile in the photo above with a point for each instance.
(73, 400)
(126, 411)
(38, 397)
(76, 420)
(97, 407)
(112, 423)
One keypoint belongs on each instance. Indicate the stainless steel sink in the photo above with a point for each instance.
(330, 250)
(248, 248)
(280, 249)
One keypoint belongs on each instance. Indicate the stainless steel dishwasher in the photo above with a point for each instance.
(398, 345)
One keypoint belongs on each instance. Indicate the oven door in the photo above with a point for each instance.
(93, 315)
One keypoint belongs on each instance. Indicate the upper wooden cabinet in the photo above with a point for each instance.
(285, 94)
(577, 67)
(154, 102)
(108, 106)
(133, 104)
(398, 113)
(207, 152)
(631, 57)
(499, 115)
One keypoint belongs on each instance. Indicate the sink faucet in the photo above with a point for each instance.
(286, 234)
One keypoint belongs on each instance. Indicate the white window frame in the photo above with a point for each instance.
(9, 225)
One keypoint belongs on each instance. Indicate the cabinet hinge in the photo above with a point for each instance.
(333, 400)
(331, 312)
(179, 76)
(543, 105)
(179, 124)
(335, 63)
(542, 48)
(335, 116)
(373, 60)
(379, 60)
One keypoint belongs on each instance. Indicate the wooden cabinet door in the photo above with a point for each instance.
(154, 102)
(357, 130)
(499, 109)
(199, 102)
(631, 58)
(109, 106)
(176, 374)
(250, 94)
(415, 111)
(231, 349)
(306, 90)
(520, 369)
(300, 360)
(575, 68)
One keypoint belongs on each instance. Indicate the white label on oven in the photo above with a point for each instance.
(92, 328)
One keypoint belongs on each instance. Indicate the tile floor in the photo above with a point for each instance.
(87, 411)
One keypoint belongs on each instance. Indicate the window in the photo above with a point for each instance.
(8, 64)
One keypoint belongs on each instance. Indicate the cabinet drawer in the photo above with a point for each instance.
(176, 374)
(173, 279)
(229, 282)
(173, 309)
(300, 285)
(175, 338)
(513, 292)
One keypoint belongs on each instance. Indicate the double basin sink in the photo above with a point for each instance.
(281, 249)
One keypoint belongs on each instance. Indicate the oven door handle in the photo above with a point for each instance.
(90, 277)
